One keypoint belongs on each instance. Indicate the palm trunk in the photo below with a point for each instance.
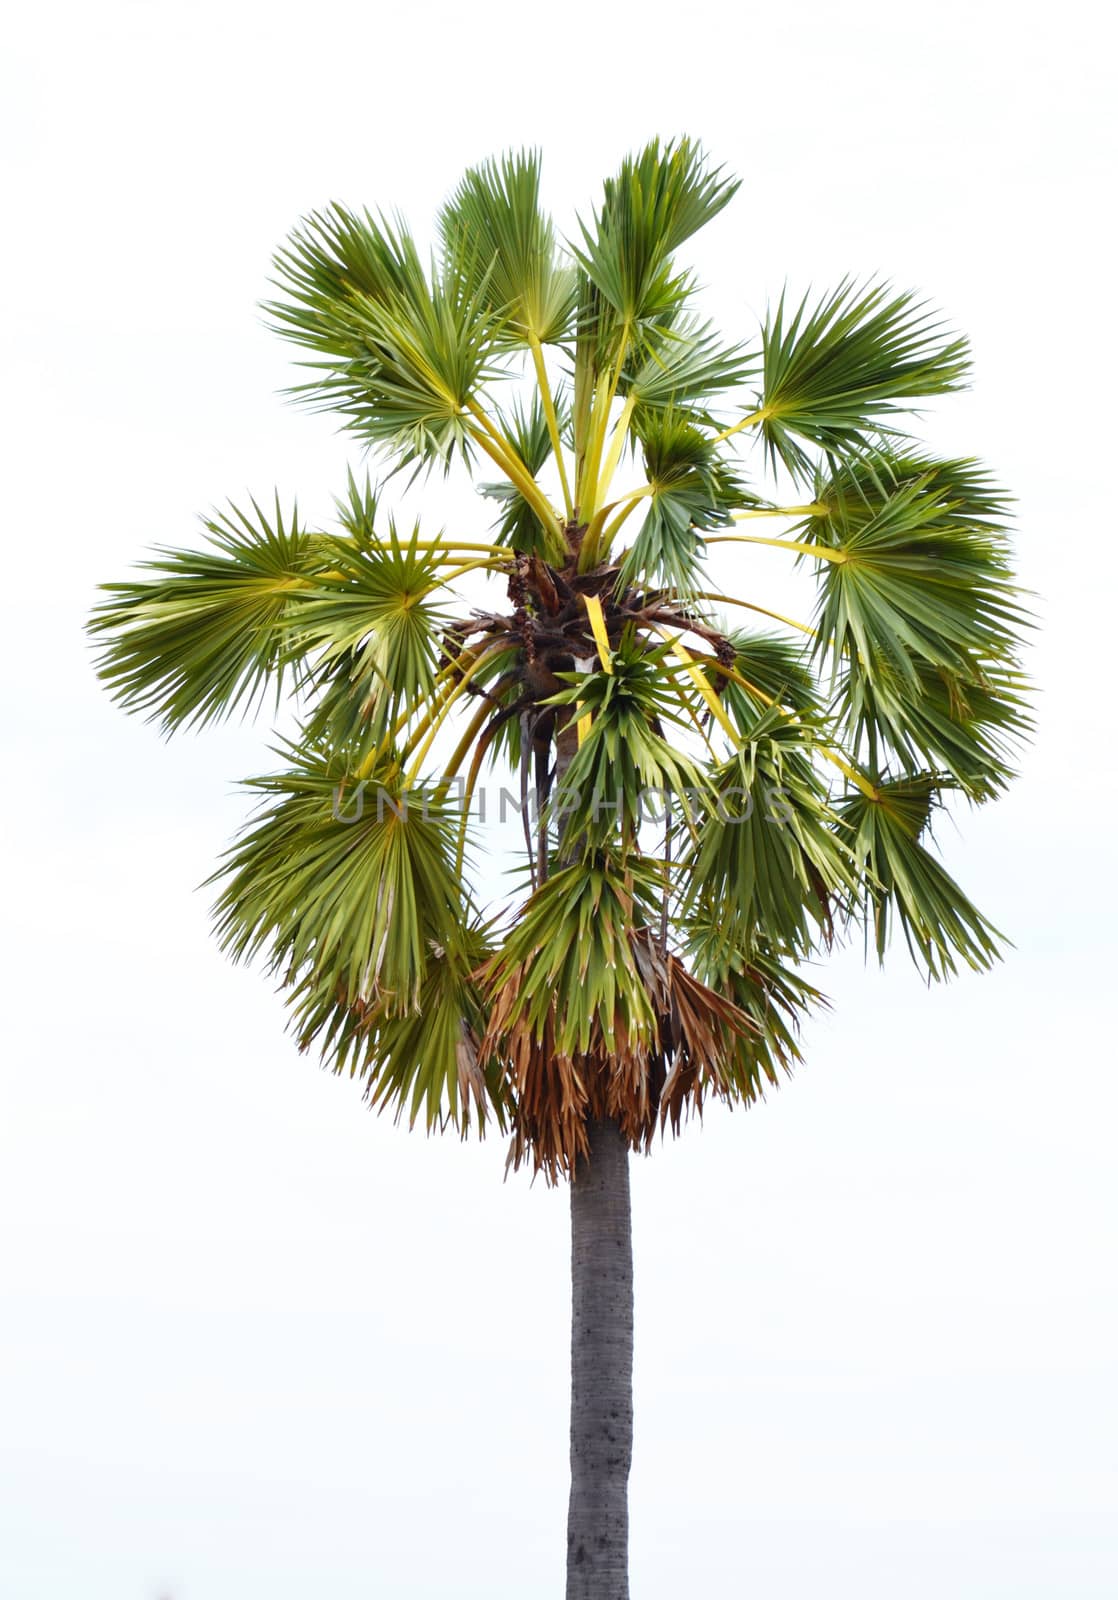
(601, 1370)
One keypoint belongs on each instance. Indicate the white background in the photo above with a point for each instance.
(255, 1341)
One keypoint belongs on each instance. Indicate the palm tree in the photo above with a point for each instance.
(708, 804)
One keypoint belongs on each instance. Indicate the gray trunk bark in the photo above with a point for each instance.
(601, 1370)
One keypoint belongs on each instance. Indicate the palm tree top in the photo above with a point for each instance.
(654, 960)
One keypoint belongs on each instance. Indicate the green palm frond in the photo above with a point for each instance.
(345, 706)
(423, 1061)
(630, 750)
(774, 995)
(203, 633)
(907, 578)
(959, 494)
(694, 487)
(838, 373)
(682, 364)
(503, 246)
(969, 725)
(769, 669)
(401, 352)
(657, 201)
(768, 859)
(631, 300)
(346, 877)
(903, 882)
(374, 607)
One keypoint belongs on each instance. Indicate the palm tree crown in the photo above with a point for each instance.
(708, 802)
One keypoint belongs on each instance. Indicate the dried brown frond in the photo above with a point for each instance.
(643, 1078)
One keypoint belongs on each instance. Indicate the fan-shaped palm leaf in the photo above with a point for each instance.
(903, 881)
(656, 202)
(769, 857)
(203, 633)
(692, 487)
(421, 1061)
(375, 607)
(402, 353)
(503, 244)
(350, 877)
(968, 724)
(907, 579)
(838, 373)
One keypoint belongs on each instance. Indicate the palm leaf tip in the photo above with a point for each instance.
(657, 201)
(400, 352)
(426, 1061)
(904, 884)
(201, 635)
(835, 375)
(502, 245)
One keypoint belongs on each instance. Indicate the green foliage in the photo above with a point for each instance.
(631, 298)
(769, 858)
(683, 364)
(902, 881)
(695, 487)
(348, 879)
(959, 494)
(632, 747)
(504, 248)
(772, 993)
(571, 947)
(373, 613)
(519, 526)
(657, 201)
(806, 762)
(921, 619)
(768, 668)
(916, 579)
(838, 373)
(199, 638)
(423, 1061)
(969, 724)
(400, 352)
